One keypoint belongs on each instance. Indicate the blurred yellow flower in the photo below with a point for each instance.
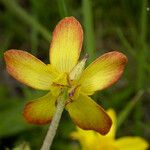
(91, 140)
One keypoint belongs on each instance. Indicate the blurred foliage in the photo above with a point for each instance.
(123, 25)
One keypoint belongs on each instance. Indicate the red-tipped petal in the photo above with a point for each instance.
(28, 69)
(103, 72)
(88, 115)
(66, 44)
(40, 111)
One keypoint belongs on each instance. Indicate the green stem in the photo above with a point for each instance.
(127, 110)
(55, 122)
(143, 21)
(129, 48)
(62, 5)
(34, 32)
(89, 28)
(125, 42)
(13, 7)
(141, 63)
(142, 51)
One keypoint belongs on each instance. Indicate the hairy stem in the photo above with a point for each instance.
(55, 122)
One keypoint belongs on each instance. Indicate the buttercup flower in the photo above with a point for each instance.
(64, 71)
(91, 140)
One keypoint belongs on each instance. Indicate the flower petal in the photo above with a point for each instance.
(89, 140)
(29, 70)
(40, 111)
(66, 44)
(134, 143)
(88, 115)
(112, 115)
(103, 72)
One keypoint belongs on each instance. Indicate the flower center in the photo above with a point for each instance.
(64, 82)
(69, 82)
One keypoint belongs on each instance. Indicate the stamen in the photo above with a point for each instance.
(71, 94)
(68, 80)
(59, 85)
(68, 101)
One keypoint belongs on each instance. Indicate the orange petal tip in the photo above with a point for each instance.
(107, 123)
(31, 117)
(88, 115)
(66, 44)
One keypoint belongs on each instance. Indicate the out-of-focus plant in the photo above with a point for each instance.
(69, 84)
(90, 140)
(22, 146)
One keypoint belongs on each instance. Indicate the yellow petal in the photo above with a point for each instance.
(79, 134)
(88, 115)
(88, 139)
(29, 70)
(103, 72)
(112, 131)
(41, 110)
(132, 143)
(66, 44)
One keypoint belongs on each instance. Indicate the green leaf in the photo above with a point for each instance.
(12, 121)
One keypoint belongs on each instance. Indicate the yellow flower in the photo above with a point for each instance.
(64, 71)
(91, 140)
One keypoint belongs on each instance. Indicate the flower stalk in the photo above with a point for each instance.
(55, 121)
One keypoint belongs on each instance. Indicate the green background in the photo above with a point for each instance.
(121, 25)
